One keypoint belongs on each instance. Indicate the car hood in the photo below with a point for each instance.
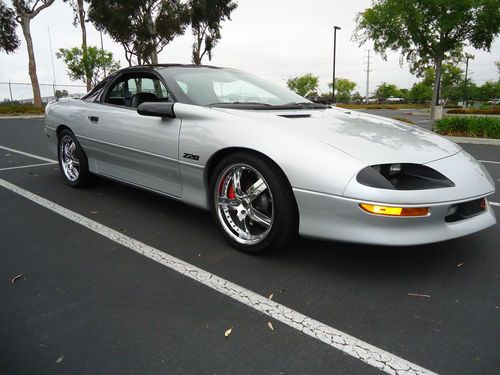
(368, 138)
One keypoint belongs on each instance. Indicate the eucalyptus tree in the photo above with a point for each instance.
(142, 27)
(79, 19)
(206, 17)
(429, 32)
(25, 11)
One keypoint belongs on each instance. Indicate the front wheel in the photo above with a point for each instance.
(72, 160)
(253, 204)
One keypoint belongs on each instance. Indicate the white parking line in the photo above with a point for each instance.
(356, 348)
(28, 154)
(489, 162)
(495, 204)
(27, 166)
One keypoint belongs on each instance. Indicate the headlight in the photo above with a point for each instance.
(403, 177)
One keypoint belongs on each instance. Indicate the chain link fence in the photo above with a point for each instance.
(22, 93)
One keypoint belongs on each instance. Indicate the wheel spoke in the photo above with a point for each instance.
(243, 232)
(226, 203)
(237, 183)
(259, 217)
(256, 189)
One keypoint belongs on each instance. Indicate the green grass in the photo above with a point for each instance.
(482, 127)
(20, 109)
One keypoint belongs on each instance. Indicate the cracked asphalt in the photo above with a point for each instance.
(86, 304)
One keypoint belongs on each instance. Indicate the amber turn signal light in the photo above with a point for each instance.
(394, 211)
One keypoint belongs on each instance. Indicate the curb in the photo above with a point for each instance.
(475, 141)
(22, 117)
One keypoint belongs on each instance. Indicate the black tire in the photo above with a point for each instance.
(285, 218)
(84, 175)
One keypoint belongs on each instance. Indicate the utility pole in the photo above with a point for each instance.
(102, 50)
(335, 28)
(53, 68)
(467, 57)
(368, 78)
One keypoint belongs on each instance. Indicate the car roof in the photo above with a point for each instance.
(166, 66)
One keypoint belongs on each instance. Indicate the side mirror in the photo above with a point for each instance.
(156, 109)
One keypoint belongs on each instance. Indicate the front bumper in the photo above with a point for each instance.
(331, 217)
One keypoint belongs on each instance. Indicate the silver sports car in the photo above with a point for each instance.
(268, 163)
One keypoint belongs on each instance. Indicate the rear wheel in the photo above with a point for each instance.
(72, 160)
(253, 204)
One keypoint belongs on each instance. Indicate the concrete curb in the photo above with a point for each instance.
(475, 141)
(22, 117)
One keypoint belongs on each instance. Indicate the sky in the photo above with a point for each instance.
(274, 39)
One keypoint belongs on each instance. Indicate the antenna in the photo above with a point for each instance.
(53, 68)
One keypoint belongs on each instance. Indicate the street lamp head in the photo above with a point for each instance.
(469, 56)
(337, 28)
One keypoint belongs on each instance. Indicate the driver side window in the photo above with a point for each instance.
(131, 91)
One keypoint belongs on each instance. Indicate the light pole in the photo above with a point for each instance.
(335, 28)
(468, 57)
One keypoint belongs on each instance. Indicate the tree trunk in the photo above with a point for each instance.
(81, 17)
(154, 57)
(25, 25)
(435, 91)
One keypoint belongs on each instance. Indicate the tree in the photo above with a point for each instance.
(96, 61)
(142, 27)
(388, 90)
(61, 94)
(451, 81)
(303, 85)
(206, 17)
(420, 93)
(489, 90)
(428, 32)
(79, 14)
(26, 10)
(343, 89)
(9, 42)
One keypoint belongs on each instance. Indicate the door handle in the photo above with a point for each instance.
(93, 119)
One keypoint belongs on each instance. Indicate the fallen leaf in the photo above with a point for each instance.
(271, 296)
(60, 359)
(419, 295)
(15, 278)
(228, 332)
(270, 325)
(460, 264)
(283, 290)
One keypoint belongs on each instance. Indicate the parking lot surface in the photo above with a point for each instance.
(76, 301)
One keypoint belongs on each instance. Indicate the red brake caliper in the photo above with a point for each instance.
(230, 194)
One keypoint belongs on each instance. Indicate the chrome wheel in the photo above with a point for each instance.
(69, 158)
(244, 204)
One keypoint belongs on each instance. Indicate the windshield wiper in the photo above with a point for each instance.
(231, 104)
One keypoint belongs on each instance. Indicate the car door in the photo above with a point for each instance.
(137, 149)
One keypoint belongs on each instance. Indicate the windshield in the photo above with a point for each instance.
(225, 87)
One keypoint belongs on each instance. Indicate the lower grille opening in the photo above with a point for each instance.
(465, 210)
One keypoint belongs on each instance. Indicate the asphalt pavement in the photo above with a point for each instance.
(83, 303)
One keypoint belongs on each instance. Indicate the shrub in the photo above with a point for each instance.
(463, 111)
(20, 109)
(487, 127)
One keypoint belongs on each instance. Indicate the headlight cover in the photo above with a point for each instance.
(402, 176)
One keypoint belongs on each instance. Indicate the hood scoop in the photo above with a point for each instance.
(296, 116)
